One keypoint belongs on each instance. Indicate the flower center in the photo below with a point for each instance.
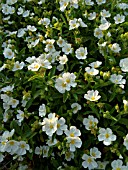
(107, 135)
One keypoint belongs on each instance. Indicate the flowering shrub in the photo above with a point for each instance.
(63, 84)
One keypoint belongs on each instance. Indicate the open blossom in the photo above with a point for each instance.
(18, 66)
(61, 42)
(74, 142)
(73, 24)
(95, 153)
(90, 122)
(73, 132)
(115, 48)
(105, 13)
(67, 49)
(124, 64)
(92, 95)
(117, 79)
(63, 59)
(98, 33)
(22, 147)
(92, 71)
(92, 16)
(81, 53)
(11, 146)
(118, 165)
(119, 19)
(89, 162)
(95, 64)
(50, 124)
(61, 126)
(106, 135)
(63, 4)
(8, 53)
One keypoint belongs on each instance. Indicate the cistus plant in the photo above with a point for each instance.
(63, 84)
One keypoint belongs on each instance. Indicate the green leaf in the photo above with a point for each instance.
(65, 96)
(14, 125)
(29, 103)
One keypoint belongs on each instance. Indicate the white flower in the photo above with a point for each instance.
(50, 124)
(104, 26)
(90, 122)
(125, 143)
(31, 59)
(34, 66)
(21, 32)
(22, 147)
(8, 88)
(75, 107)
(8, 53)
(89, 2)
(63, 59)
(74, 142)
(31, 28)
(73, 132)
(98, 33)
(106, 135)
(117, 79)
(95, 64)
(61, 126)
(20, 116)
(81, 53)
(105, 13)
(74, 3)
(117, 165)
(61, 42)
(44, 21)
(123, 6)
(115, 48)
(119, 19)
(50, 48)
(69, 155)
(26, 13)
(99, 2)
(63, 4)
(18, 66)
(5, 98)
(42, 110)
(82, 24)
(20, 11)
(124, 64)
(11, 146)
(73, 24)
(92, 71)
(92, 95)
(13, 102)
(67, 49)
(92, 16)
(51, 142)
(95, 153)
(38, 150)
(89, 162)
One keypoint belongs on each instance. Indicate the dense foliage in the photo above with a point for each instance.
(63, 84)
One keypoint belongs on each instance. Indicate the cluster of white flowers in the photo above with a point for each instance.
(63, 56)
(73, 138)
(12, 146)
(89, 160)
(65, 82)
(92, 69)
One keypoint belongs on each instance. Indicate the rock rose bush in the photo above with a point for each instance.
(64, 84)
